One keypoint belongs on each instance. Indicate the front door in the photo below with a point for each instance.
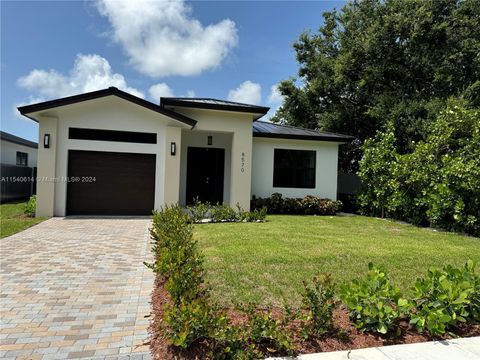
(205, 171)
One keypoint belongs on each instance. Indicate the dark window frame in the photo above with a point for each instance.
(112, 135)
(291, 171)
(22, 158)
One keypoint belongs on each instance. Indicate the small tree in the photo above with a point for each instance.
(376, 172)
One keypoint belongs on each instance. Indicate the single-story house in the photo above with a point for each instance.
(17, 151)
(108, 152)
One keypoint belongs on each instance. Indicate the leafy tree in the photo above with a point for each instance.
(438, 183)
(377, 62)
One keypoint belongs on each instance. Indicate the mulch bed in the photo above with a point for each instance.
(344, 337)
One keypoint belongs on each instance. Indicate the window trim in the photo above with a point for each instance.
(314, 185)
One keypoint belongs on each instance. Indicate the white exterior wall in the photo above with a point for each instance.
(326, 167)
(9, 153)
(109, 113)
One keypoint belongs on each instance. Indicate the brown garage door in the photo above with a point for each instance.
(110, 183)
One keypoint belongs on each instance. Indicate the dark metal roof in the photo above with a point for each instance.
(25, 110)
(214, 104)
(17, 140)
(271, 130)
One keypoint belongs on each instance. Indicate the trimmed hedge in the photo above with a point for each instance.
(309, 205)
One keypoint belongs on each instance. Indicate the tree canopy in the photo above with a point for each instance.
(378, 62)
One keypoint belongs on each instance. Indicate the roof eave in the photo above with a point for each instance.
(111, 91)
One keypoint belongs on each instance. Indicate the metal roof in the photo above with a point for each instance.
(214, 104)
(271, 130)
(17, 140)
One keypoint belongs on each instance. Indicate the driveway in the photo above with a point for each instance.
(76, 287)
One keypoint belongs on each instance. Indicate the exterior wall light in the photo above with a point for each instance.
(209, 140)
(46, 141)
(173, 148)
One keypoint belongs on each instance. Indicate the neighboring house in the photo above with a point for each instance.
(17, 151)
(108, 152)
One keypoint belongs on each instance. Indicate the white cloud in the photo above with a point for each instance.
(158, 90)
(89, 73)
(161, 38)
(28, 101)
(190, 94)
(275, 97)
(248, 92)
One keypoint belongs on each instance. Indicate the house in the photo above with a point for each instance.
(17, 167)
(108, 152)
(15, 150)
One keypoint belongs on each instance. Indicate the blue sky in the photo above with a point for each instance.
(227, 50)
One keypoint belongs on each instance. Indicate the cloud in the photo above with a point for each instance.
(161, 38)
(89, 73)
(28, 101)
(275, 96)
(190, 94)
(248, 92)
(160, 90)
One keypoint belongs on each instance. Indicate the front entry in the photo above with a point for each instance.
(205, 172)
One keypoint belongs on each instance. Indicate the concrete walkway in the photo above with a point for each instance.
(76, 288)
(456, 349)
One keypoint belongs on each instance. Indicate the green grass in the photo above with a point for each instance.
(13, 220)
(264, 262)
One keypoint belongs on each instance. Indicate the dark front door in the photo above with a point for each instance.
(205, 169)
(110, 183)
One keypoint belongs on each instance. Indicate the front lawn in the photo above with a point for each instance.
(267, 261)
(13, 219)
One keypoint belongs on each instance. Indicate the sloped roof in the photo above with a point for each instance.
(4, 136)
(271, 130)
(25, 110)
(214, 104)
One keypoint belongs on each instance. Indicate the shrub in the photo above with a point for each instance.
(199, 211)
(374, 304)
(318, 302)
(223, 213)
(30, 206)
(445, 298)
(309, 205)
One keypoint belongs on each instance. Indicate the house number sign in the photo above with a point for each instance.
(242, 168)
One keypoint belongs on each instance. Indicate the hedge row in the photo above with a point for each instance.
(309, 205)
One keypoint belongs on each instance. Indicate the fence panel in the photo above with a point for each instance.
(17, 182)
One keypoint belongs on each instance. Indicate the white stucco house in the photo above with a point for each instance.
(17, 151)
(108, 152)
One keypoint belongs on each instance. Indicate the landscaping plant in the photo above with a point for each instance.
(374, 303)
(446, 298)
(318, 302)
(309, 205)
(30, 206)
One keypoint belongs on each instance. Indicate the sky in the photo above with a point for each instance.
(230, 50)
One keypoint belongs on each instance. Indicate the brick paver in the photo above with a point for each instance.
(76, 288)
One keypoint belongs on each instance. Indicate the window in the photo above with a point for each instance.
(294, 168)
(22, 158)
(112, 135)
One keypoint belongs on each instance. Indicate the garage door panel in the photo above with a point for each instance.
(124, 183)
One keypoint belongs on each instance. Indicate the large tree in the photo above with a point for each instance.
(375, 62)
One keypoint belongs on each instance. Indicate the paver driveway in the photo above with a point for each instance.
(76, 287)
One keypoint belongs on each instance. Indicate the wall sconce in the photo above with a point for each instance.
(209, 140)
(46, 141)
(173, 148)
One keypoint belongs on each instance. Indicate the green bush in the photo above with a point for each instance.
(30, 206)
(437, 183)
(223, 213)
(199, 211)
(373, 302)
(445, 298)
(309, 205)
(318, 303)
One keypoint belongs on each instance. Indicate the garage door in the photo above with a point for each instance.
(110, 183)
